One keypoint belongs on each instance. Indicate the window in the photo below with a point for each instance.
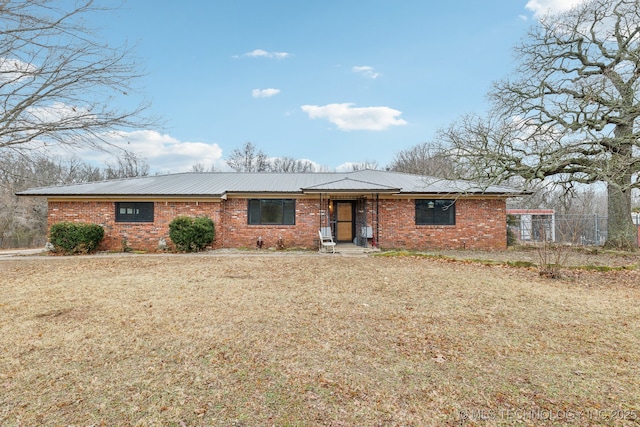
(272, 211)
(435, 212)
(134, 212)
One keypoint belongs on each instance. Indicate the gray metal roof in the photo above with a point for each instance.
(218, 184)
(351, 185)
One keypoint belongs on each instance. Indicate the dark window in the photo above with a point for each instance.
(134, 212)
(272, 211)
(435, 212)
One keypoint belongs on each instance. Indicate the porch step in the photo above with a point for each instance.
(351, 249)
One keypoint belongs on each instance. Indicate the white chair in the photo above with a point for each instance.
(326, 242)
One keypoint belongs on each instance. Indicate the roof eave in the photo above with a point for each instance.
(352, 191)
(125, 195)
(461, 194)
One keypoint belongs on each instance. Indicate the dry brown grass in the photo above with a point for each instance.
(313, 340)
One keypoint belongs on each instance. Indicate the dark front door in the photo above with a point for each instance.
(344, 221)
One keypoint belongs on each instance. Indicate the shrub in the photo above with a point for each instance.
(191, 234)
(72, 238)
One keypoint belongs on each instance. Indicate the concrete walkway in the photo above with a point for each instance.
(6, 253)
(342, 249)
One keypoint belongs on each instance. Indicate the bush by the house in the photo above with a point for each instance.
(72, 238)
(191, 234)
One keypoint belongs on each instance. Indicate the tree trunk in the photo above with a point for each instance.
(621, 231)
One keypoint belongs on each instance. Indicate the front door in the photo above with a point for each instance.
(344, 221)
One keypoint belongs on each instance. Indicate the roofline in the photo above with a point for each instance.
(354, 191)
(460, 194)
(119, 197)
(225, 195)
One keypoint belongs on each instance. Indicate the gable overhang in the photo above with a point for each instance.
(346, 186)
(352, 192)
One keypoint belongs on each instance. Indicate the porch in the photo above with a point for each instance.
(349, 212)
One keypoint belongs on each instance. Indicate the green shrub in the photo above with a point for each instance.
(191, 234)
(72, 238)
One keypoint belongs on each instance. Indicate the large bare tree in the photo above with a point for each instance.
(290, 165)
(571, 110)
(248, 158)
(59, 83)
(427, 159)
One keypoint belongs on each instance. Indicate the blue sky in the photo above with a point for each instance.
(333, 82)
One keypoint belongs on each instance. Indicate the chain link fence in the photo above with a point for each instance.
(588, 230)
(574, 229)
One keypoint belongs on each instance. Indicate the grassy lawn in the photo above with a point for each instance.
(261, 340)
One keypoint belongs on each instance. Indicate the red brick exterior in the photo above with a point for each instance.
(480, 224)
(237, 233)
(138, 235)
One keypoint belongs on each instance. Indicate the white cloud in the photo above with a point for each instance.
(162, 152)
(542, 7)
(347, 117)
(259, 53)
(347, 166)
(14, 70)
(366, 71)
(264, 93)
(34, 119)
(59, 112)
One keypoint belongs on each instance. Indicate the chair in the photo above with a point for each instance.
(326, 242)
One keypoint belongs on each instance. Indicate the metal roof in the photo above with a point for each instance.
(349, 184)
(218, 184)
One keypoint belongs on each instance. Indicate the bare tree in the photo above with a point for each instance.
(248, 159)
(200, 167)
(58, 80)
(127, 165)
(572, 110)
(23, 219)
(427, 159)
(585, 200)
(486, 148)
(290, 165)
(367, 164)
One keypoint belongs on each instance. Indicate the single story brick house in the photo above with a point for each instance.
(368, 207)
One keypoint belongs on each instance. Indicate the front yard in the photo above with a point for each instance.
(306, 339)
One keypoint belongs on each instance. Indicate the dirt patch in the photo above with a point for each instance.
(310, 339)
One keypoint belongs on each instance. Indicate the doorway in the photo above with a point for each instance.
(345, 224)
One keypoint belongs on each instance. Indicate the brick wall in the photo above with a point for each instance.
(237, 233)
(139, 235)
(480, 224)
